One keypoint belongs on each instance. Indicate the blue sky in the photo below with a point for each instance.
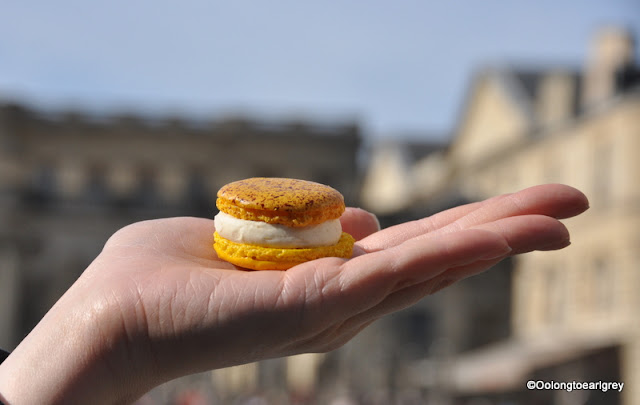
(396, 67)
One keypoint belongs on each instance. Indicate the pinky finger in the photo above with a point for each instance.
(368, 279)
(410, 295)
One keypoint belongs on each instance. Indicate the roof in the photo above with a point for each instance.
(522, 86)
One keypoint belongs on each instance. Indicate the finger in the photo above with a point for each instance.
(410, 295)
(521, 234)
(524, 233)
(530, 232)
(366, 280)
(359, 223)
(553, 200)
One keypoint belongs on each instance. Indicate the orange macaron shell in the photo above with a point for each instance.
(281, 201)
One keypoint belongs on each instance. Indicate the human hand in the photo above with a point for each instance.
(157, 303)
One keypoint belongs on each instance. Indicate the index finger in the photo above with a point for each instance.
(553, 200)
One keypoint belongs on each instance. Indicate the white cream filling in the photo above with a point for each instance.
(274, 235)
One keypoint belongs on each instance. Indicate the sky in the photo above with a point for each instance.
(397, 68)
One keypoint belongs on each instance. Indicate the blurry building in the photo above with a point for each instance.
(573, 313)
(68, 181)
(388, 186)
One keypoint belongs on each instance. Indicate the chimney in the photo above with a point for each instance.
(611, 50)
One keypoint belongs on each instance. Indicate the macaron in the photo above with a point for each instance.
(268, 223)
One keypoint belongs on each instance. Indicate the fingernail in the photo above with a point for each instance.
(375, 219)
(556, 245)
(372, 215)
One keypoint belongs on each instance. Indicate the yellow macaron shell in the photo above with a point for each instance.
(269, 258)
(289, 202)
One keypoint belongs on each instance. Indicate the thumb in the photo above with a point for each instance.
(359, 223)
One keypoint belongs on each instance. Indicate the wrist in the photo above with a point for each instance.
(74, 355)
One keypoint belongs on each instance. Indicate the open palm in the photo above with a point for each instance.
(188, 307)
(161, 304)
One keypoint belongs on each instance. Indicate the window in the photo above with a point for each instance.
(199, 199)
(43, 184)
(552, 168)
(603, 286)
(555, 301)
(97, 191)
(602, 174)
(598, 292)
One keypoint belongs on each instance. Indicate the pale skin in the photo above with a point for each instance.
(157, 304)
